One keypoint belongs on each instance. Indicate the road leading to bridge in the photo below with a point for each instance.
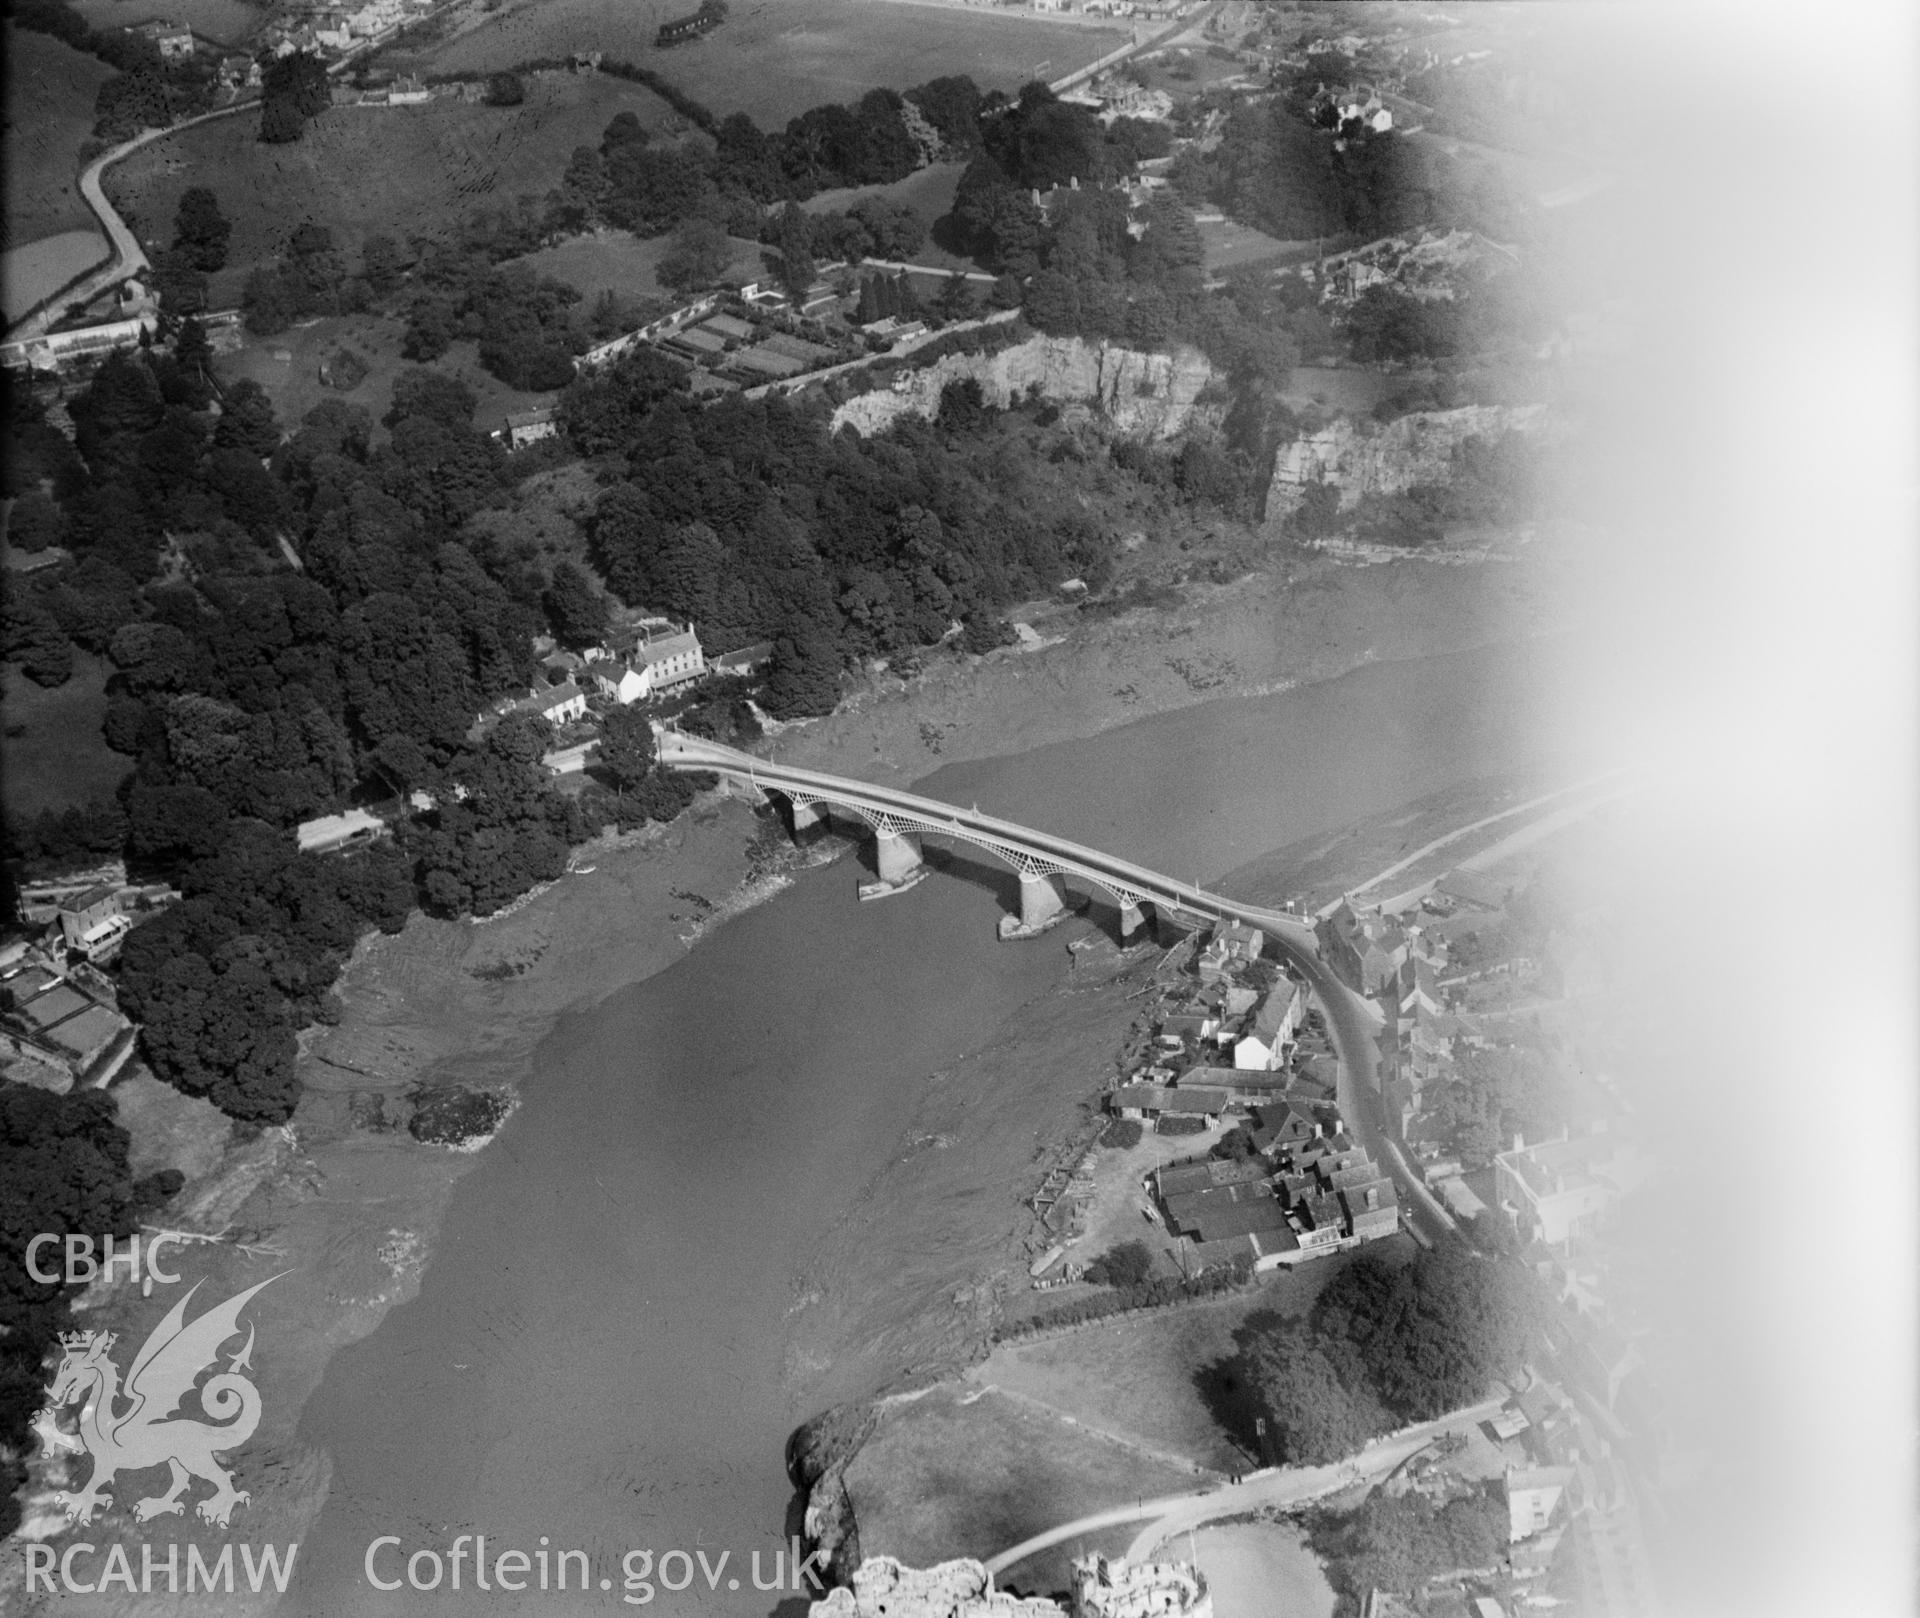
(1355, 1028)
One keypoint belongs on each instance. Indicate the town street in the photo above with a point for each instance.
(1353, 1024)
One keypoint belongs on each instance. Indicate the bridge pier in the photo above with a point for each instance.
(809, 820)
(1041, 905)
(1133, 917)
(898, 859)
(1040, 900)
(898, 856)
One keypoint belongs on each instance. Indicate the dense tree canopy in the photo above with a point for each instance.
(200, 230)
(1126, 1264)
(145, 90)
(248, 695)
(1282, 168)
(747, 518)
(698, 257)
(1388, 1343)
(293, 91)
(1398, 1543)
(1316, 1418)
(63, 1167)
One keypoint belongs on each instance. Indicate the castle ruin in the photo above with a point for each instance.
(1103, 1587)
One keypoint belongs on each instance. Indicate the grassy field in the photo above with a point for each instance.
(41, 268)
(1155, 1380)
(958, 1473)
(360, 170)
(928, 191)
(53, 748)
(288, 367)
(1227, 245)
(1184, 70)
(776, 58)
(49, 112)
(617, 261)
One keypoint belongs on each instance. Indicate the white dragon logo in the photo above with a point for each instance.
(150, 1431)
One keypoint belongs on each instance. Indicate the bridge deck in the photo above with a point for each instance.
(1004, 837)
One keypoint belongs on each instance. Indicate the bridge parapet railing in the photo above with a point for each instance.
(1023, 847)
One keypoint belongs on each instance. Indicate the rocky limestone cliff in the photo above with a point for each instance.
(817, 1457)
(1145, 395)
(1362, 457)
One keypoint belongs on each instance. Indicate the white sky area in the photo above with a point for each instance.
(1758, 608)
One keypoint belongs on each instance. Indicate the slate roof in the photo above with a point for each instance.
(1218, 1171)
(1323, 1211)
(1261, 1084)
(1251, 1247)
(1193, 1100)
(647, 645)
(1231, 1210)
(663, 647)
(1296, 1188)
(1286, 1122)
(1370, 1197)
(544, 702)
(1273, 1010)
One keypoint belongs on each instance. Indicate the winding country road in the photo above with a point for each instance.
(129, 257)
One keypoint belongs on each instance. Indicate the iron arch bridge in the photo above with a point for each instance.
(899, 819)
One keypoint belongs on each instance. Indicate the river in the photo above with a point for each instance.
(762, 1181)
